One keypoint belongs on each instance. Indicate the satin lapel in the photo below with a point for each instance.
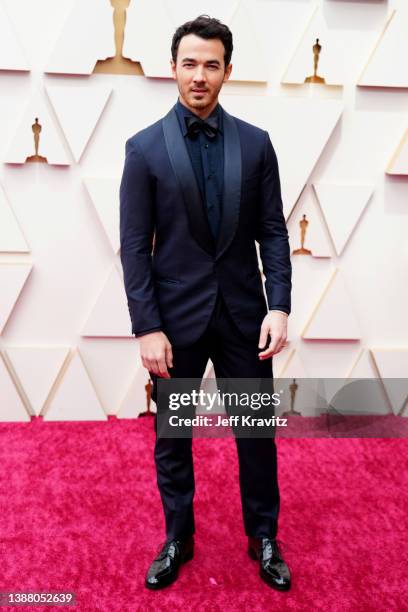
(183, 169)
(231, 200)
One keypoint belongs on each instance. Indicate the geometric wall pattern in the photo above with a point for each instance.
(91, 368)
(293, 368)
(317, 239)
(104, 193)
(342, 206)
(50, 142)
(78, 110)
(74, 398)
(111, 365)
(153, 52)
(346, 34)
(11, 405)
(12, 280)
(332, 60)
(110, 315)
(76, 52)
(393, 364)
(11, 236)
(12, 56)
(132, 405)
(399, 161)
(334, 316)
(383, 68)
(363, 366)
(374, 395)
(36, 369)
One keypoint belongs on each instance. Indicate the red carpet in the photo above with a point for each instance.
(81, 512)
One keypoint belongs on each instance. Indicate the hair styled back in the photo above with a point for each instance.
(204, 27)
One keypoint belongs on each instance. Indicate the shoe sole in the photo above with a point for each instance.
(157, 587)
(254, 556)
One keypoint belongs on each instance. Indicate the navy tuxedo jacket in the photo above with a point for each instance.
(174, 287)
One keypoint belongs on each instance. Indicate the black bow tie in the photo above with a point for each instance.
(208, 126)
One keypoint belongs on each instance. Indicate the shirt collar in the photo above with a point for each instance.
(182, 111)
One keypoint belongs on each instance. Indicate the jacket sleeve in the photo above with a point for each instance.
(136, 239)
(272, 235)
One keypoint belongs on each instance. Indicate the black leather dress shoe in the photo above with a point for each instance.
(273, 569)
(165, 567)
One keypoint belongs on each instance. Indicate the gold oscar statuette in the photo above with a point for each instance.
(293, 387)
(118, 64)
(316, 52)
(148, 389)
(303, 227)
(36, 128)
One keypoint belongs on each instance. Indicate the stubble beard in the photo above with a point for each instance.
(194, 100)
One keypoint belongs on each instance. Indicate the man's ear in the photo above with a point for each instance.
(227, 72)
(173, 68)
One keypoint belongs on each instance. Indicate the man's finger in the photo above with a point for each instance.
(154, 366)
(270, 350)
(263, 337)
(163, 372)
(169, 357)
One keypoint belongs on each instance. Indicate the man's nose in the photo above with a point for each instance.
(199, 74)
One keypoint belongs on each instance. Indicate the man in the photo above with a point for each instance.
(206, 186)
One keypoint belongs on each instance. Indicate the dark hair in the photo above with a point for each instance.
(205, 27)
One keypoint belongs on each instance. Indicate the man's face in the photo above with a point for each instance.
(200, 72)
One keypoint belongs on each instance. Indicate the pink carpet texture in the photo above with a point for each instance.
(80, 512)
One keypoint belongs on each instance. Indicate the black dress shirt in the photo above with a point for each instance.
(207, 158)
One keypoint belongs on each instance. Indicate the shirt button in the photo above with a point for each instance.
(206, 146)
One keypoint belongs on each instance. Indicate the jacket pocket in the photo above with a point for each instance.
(167, 281)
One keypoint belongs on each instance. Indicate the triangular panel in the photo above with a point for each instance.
(334, 57)
(104, 193)
(386, 66)
(316, 239)
(86, 37)
(78, 110)
(11, 405)
(333, 318)
(110, 364)
(399, 161)
(293, 368)
(363, 366)
(153, 52)
(392, 365)
(110, 315)
(11, 237)
(136, 398)
(12, 57)
(75, 398)
(36, 369)
(342, 206)
(249, 58)
(23, 144)
(12, 279)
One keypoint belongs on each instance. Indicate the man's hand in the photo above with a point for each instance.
(156, 353)
(275, 325)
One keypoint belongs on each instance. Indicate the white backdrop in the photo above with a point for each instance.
(65, 337)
